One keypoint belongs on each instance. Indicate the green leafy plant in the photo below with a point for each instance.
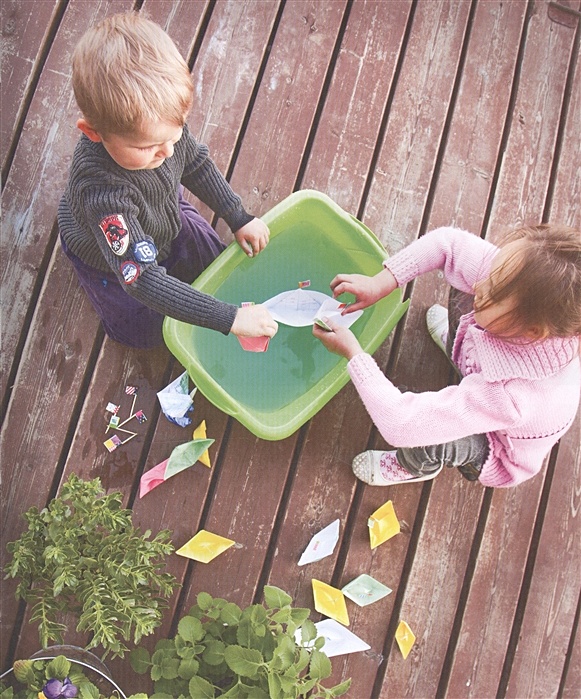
(82, 554)
(55, 679)
(223, 650)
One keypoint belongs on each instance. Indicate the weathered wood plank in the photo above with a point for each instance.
(523, 181)
(401, 179)
(225, 74)
(24, 35)
(55, 355)
(256, 161)
(441, 558)
(347, 133)
(323, 493)
(501, 562)
(555, 588)
(181, 19)
(553, 597)
(285, 106)
(38, 175)
(117, 363)
(572, 684)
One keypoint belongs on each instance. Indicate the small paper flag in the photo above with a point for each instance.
(140, 416)
(112, 443)
(114, 421)
(112, 408)
(200, 433)
(130, 390)
(383, 524)
(405, 638)
(330, 602)
(205, 546)
(364, 590)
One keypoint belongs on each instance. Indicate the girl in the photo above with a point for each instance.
(512, 331)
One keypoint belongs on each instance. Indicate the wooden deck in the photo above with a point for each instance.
(410, 115)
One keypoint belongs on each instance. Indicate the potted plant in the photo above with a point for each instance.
(223, 650)
(59, 678)
(82, 555)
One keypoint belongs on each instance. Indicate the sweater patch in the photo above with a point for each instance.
(144, 251)
(115, 230)
(130, 271)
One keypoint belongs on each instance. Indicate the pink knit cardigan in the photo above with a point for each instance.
(523, 395)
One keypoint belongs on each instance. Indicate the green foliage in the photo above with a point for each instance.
(83, 555)
(221, 650)
(33, 674)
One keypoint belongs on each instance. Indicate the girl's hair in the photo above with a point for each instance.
(544, 280)
(126, 71)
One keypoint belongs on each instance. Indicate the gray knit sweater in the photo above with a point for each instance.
(147, 202)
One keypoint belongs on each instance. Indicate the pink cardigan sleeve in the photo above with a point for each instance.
(465, 258)
(474, 406)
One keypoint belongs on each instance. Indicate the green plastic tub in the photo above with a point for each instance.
(273, 393)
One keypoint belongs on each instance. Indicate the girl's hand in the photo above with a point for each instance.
(253, 237)
(367, 290)
(338, 340)
(254, 321)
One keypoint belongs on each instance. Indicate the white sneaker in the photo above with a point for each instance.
(382, 468)
(437, 322)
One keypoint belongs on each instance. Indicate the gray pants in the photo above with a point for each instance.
(467, 454)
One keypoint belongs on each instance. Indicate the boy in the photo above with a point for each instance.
(134, 241)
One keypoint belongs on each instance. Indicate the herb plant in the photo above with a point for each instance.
(82, 554)
(54, 679)
(223, 650)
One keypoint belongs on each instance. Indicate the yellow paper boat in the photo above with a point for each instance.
(205, 546)
(200, 433)
(383, 524)
(330, 601)
(405, 638)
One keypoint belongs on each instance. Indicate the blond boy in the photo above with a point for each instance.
(134, 241)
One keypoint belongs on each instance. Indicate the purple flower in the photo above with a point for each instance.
(55, 689)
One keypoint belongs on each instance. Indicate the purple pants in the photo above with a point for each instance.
(125, 319)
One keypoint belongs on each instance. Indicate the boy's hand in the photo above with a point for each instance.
(367, 290)
(338, 340)
(254, 321)
(253, 237)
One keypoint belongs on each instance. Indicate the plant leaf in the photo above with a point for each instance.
(190, 629)
(244, 661)
(200, 688)
(204, 601)
(231, 614)
(308, 631)
(340, 689)
(140, 661)
(276, 598)
(320, 666)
